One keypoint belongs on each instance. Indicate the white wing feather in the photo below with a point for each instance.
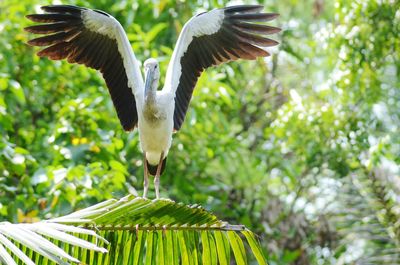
(204, 24)
(110, 27)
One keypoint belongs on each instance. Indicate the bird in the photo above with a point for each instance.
(97, 40)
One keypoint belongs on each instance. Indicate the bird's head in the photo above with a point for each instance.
(152, 75)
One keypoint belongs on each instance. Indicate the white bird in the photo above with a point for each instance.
(97, 40)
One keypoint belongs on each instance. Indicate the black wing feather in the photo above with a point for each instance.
(71, 40)
(236, 39)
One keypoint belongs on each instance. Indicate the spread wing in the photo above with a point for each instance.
(97, 40)
(212, 38)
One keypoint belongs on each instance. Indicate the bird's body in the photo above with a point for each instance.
(96, 39)
(156, 127)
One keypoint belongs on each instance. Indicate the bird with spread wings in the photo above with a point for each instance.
(97, 40)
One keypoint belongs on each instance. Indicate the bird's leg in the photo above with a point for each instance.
(157, 176)
(146, 176)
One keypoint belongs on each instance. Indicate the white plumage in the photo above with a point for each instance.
(96, 39)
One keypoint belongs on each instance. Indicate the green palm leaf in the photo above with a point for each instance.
(36, 239)
(137, 230)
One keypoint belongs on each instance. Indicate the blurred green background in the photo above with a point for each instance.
(302, 147)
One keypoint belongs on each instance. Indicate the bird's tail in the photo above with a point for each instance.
(153, 169)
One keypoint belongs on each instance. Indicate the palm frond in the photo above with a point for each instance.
(368, 218)
(24, 241)
(143, 231)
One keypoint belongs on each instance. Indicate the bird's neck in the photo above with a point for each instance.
(150, 97)
(152, 111)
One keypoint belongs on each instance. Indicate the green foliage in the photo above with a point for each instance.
(137, 231)
(302, 147)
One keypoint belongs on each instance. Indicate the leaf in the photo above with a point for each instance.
(137, 251)
(17, 90)
(150, 248)
(8, 244)
(138, 231)
(172, 251)
(160, 250)
(29, 236)
(193, 239)
(212, 248)
(183, 247)
(206, 248)
(5, 257)
(255, 247)
(45, 229)
(237, 247)
(115, 165)
(35, 242)
(222, 247)
(154, 32)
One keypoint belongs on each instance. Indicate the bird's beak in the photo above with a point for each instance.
(148, 80)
